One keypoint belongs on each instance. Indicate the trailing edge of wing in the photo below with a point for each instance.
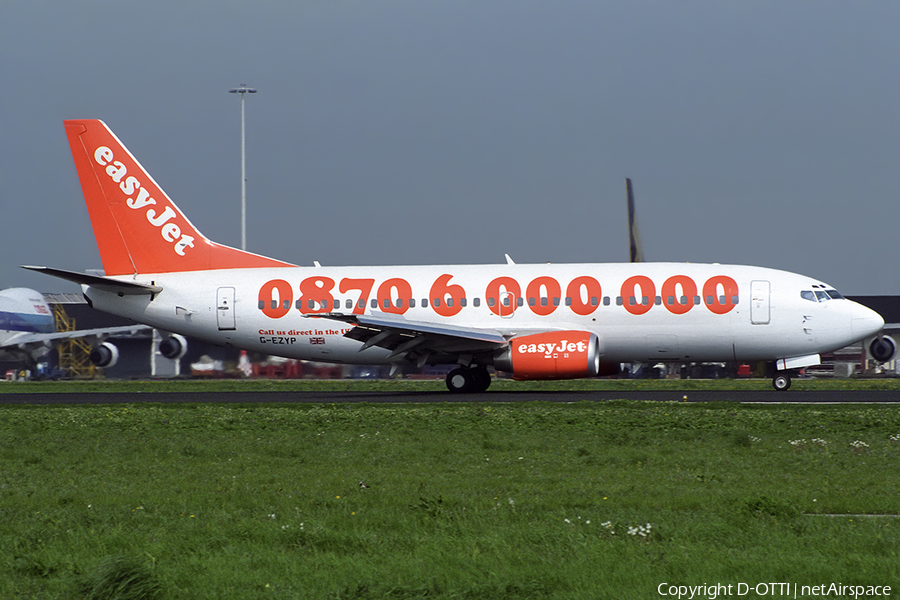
(416, 340)
(107, 284)
(394, 322)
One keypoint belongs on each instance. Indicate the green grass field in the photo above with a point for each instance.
(493, 501)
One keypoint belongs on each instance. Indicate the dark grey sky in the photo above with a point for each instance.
(417, 132)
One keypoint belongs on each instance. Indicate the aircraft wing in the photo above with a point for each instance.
(26, 342)
(417, 341)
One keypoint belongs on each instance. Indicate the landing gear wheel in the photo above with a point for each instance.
(481, 378)
(460, 381)
(468, 379)
(781, 382)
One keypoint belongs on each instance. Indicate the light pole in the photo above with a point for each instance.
(242, 91)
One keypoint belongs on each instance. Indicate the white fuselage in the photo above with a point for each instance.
(646, 312)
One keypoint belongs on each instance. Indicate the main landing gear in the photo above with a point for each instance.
(468, 379)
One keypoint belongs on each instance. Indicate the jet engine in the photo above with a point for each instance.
(552, 355)
(104, 355)
(173, 347)
(883, 348)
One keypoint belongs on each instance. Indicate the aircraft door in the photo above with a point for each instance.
(225, 308)
(759, 302)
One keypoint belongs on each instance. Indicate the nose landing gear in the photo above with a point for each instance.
(781, 382)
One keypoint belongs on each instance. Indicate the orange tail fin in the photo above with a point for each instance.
(138, 228)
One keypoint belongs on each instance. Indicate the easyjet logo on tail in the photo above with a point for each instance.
(166, 220)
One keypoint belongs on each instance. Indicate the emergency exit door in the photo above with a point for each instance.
(759, 302)
(225, 308)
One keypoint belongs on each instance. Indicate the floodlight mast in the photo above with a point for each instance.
(243, 90)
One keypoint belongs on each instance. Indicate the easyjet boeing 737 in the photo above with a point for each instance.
(542, 321)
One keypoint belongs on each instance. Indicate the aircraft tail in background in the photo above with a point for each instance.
(137, 226)
(636, 251)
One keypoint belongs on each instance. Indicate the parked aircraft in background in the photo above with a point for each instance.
(541, 321)
(28, 330)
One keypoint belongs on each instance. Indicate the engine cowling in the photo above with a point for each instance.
(173, 347)
(883, 348)
(552, 355)
(104, 355)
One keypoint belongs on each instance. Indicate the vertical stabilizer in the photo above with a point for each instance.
(138, 227)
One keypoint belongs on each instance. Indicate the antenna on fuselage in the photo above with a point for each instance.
(635, 250)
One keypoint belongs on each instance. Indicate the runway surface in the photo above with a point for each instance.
(764, 397)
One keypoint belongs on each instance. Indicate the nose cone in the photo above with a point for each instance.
(864, 322)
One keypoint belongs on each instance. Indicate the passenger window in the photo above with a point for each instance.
(412, 302)
(374, 303)
(568, 301)
(491, 302)
(593, 300)
(476, 302)
(605, 300)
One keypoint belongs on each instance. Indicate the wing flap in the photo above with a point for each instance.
(417, 340)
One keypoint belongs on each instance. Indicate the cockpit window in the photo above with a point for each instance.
(820, 294)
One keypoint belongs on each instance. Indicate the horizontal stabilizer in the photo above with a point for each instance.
(107, 284)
